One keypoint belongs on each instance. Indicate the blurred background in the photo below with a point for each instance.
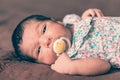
(13, 11)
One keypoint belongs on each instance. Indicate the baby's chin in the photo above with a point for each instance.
(49, 61)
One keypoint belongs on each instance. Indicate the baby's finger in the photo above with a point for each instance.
(92, 13)
(52, 66)
(98, 13)
(55, 68)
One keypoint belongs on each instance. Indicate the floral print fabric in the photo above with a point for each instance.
(95, 37)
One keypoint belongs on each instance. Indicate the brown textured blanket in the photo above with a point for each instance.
(12, 11)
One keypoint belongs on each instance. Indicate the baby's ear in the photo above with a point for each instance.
(60, 22)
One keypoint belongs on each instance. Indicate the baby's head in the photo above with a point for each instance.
(34, 36)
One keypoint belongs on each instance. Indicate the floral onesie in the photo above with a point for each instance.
(95, 37)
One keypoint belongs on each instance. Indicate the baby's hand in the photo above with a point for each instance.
(61, 65)
(92, 13)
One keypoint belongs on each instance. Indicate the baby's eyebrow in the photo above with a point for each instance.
(39, 28)
(33, 51)
(38, 25)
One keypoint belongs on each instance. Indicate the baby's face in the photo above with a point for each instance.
(38, 39)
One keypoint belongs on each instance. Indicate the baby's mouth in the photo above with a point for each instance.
(61, 45)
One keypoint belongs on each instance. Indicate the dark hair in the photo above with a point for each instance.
(18, 33)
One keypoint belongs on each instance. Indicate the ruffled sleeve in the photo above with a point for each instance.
(71, 19)
(81, 29)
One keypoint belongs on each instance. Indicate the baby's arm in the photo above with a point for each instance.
(92, 13)
(86, 66)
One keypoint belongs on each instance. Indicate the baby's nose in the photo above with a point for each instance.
(45, 42)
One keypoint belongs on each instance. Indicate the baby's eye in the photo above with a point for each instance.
(38, 50)
(44, 28)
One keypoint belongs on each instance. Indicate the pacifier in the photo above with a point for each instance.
(61, 45)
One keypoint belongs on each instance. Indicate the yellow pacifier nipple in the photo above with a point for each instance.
(60, 45)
